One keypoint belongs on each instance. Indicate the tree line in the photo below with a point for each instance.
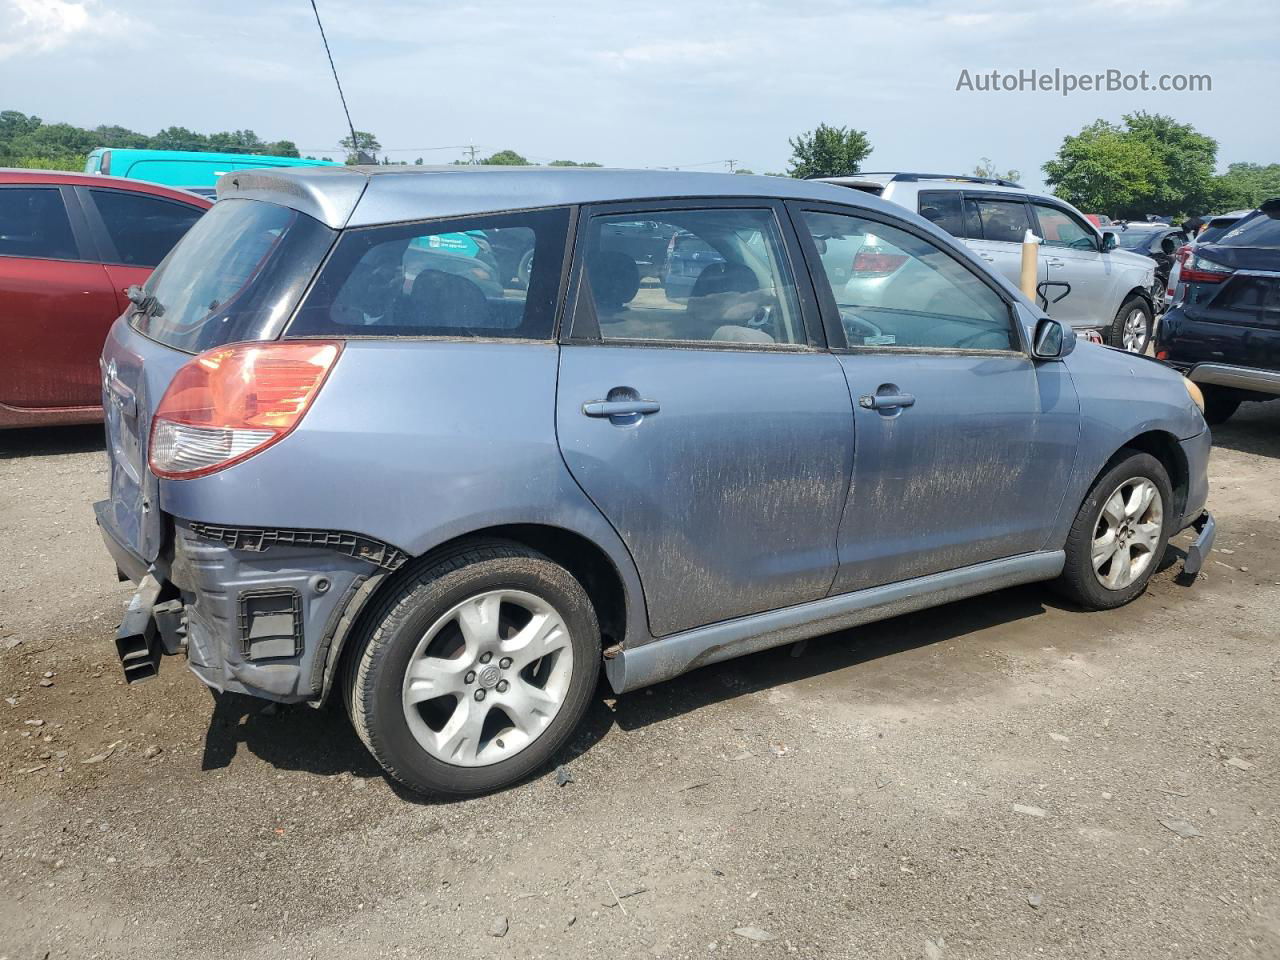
(1144, 164)
(27, 141)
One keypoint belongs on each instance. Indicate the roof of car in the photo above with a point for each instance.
(81, 179)
(364, 196)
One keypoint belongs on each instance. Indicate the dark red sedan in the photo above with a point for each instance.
(70, 245)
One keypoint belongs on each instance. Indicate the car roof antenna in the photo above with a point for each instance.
(355, 141)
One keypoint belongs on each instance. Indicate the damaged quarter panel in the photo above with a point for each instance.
(472, 430)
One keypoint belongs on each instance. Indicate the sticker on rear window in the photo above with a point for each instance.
(883, 340)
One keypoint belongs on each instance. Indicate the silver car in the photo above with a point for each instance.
(1084, 280)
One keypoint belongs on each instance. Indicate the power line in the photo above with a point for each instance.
(355, 141)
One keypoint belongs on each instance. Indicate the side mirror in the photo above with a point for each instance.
(1109, 242)
(1052, 340)
(1169, 245)
(821, 244)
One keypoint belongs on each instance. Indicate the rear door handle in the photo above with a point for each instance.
(1055, 262)
(620, 408)
(887, 401)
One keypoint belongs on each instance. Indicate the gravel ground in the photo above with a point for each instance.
(1003, 777)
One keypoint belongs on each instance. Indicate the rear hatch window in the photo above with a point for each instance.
(237, 275)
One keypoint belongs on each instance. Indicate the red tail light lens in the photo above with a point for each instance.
(872, 264)
(1200, 270)
(1184, 251)
(232, 402)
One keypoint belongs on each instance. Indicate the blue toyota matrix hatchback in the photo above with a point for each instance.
(353, 457)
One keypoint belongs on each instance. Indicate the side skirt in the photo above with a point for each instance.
(671, 656)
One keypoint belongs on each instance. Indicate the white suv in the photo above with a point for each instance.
(1084, 280)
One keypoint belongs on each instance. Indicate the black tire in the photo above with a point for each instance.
(1220, 404)
(1116, 335)
(524, 270)
(375, 671)
(1078, 581)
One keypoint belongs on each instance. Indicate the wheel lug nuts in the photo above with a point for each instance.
(502, 686)
(504, 662)
(471, 676)
(479, 694)
(486, 657)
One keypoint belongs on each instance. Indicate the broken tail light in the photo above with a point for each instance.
(229, 403)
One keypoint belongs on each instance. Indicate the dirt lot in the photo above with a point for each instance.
(1000, 778)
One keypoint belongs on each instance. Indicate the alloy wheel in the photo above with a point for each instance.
(1127, 533)
(1134, 335)
(487, 678)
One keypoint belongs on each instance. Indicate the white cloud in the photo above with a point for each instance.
(39, 26)
(686, 51)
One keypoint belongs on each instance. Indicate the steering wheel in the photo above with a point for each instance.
(851, 320)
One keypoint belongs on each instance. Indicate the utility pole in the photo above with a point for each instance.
(471, 154)
(732, 164)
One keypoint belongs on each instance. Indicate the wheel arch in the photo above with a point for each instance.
(1164, 446)
(585, 559)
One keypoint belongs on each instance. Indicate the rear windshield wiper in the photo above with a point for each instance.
(143, 302)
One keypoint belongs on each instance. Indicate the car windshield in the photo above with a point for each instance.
(235, 276)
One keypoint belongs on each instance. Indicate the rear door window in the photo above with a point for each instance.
(489, 276)
(1257, 230)
(143, 229)
(235, 276)
(33, 223)
(1004, 221)
(946, 209)
(724, 278)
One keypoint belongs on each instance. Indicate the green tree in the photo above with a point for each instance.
(744, 170)
(986, 168)
(1246, 185)
(505, 158)
(112, 135)
(179, 138)
(362, 149)
(1147, 164)
(281, 148)
(14, 124)
(571, 163)
(828, 152)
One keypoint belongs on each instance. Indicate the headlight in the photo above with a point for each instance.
(1195, 393)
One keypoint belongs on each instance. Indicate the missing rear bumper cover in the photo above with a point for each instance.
(258, 539)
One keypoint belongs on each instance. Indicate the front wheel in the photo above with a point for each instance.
(475, 671)
(1119, 534)
(1131, 330)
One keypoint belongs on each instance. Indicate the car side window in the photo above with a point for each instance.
(723, 277)
(143, 229)
(494, 276)
(1059, 229)
(1004, 221)
(34, 223)
(947, 210)
(905, 291)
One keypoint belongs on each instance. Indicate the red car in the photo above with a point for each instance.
(70, 245)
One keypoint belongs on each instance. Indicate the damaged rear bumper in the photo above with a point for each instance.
(1199, 550)
(258, 612)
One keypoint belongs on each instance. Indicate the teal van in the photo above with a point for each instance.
(184, 168)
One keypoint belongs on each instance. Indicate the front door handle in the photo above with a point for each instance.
(887, 401)
(1055, 262)
(620, 408)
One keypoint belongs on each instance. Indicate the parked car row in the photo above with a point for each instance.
(1223, 329)
(338, 469)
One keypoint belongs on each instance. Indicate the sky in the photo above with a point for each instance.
(656, 83)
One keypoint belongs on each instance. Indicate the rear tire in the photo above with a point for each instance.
(1132, 328)
(1220, 404)
(442, 691)
(1102, 573)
